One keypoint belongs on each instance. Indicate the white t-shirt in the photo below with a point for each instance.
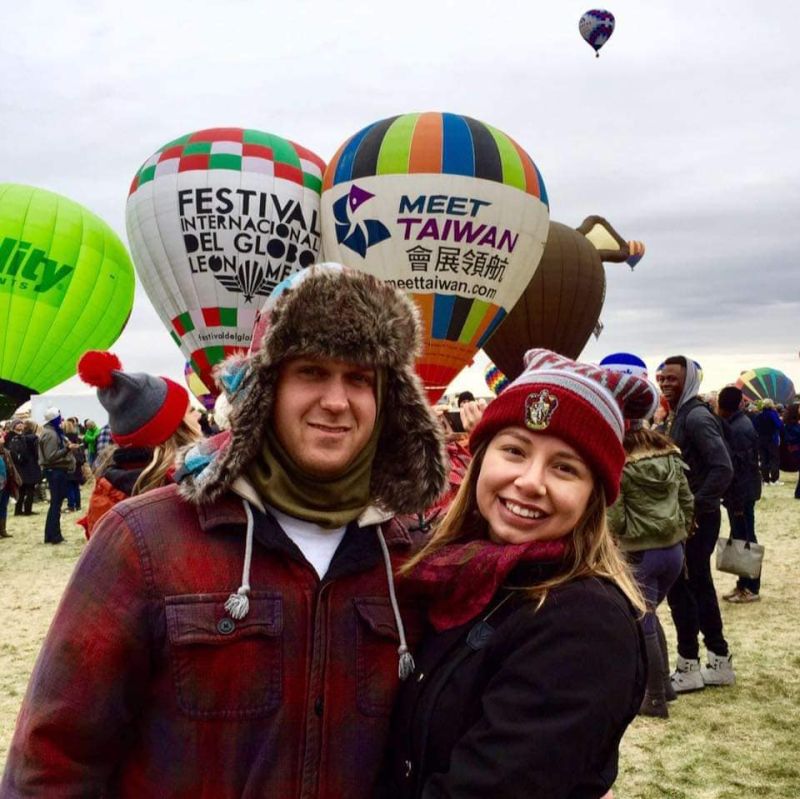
(318, 544)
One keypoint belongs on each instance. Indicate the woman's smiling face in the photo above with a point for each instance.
(532, 487)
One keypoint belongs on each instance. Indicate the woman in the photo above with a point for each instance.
(534, 665)
(24, 450)
(150, 419)
(651, 519)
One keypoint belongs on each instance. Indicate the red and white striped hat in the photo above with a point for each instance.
(582, 404)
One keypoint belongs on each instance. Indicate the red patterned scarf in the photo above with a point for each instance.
(460, 579)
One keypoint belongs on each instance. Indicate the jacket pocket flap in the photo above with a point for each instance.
(377, 613)
(202, 618)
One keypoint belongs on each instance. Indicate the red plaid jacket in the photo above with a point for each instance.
(146, 688)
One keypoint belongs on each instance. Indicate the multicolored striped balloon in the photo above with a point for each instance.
(637, 250)
(766, 383)
(446, 208)
(216, 219)
(596, 27)
(626, 363)
(495, 379)
(198, 387)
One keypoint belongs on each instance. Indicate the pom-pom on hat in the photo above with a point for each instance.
(581, 404)
(143, 410)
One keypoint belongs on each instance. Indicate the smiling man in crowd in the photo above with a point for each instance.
(159, 677)
(693, 598)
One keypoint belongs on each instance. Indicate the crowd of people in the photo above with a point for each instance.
(347, 593)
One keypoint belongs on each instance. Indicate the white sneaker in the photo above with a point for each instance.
(719, 670)
(687, 676)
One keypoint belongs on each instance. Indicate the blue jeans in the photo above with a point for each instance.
(655, 571)
(73, 495)
(4, 497)
(57, 483)
(693, 598)
(743, 528)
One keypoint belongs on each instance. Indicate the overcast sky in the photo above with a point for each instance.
(684, 133)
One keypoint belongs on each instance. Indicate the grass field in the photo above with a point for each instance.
(723, 743)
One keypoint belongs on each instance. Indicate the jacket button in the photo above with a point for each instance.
(407, 768)
(421, 676)
(225, 626)
(318, 706)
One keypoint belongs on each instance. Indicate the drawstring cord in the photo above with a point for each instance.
(406, 665)
(238, 604)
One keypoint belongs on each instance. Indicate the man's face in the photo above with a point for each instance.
(324, 413)
(671, 380)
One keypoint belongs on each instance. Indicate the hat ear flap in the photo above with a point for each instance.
(409, 472)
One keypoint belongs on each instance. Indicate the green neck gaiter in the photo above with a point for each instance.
(329, 503)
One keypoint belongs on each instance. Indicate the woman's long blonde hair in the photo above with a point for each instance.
(154, 475)
(591, 550)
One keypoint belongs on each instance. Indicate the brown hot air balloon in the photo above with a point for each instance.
(561, 305)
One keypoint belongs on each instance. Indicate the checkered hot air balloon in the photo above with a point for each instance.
(216, 219)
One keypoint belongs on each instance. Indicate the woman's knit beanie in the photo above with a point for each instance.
(143, 410)
(581, 404)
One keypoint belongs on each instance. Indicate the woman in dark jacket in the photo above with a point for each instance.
(534, 665)
(24, 447)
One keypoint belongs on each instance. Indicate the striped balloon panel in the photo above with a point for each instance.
(434, 143)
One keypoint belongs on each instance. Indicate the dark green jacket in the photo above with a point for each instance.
(655, 505)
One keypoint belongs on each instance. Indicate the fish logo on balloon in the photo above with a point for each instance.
(357, 237)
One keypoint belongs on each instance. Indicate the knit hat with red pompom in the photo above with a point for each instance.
(581, 404)
(143, 410)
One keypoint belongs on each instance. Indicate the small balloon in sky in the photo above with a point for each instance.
(596, 27)
(637, 250)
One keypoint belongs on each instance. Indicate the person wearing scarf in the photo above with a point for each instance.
(701, 437)
(150, 419)
(57, 461)
(534, 662)
(241, 628)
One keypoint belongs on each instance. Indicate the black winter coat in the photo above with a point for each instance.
(526, 705)
(25, 451)
(698, 433)
(743, 442)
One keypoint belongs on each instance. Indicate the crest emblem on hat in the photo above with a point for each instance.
(539, 409)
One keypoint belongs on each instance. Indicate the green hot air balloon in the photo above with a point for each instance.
(66, 285)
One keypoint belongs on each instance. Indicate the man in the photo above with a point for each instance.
(57, 462)
(745, 488)
(693, 598)
(159, 677)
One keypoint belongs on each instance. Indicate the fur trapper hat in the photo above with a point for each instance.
(328, 311)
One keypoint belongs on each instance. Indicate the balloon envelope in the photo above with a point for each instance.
(216, 219)
(495, 379)
(66, 286)
(766, 383)
(596, 27)
(637, 250)
(626, 363)
(198, 387)
(446, 208)
(560, 306)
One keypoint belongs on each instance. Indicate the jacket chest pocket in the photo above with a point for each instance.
(377, 641)
(225, 668)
